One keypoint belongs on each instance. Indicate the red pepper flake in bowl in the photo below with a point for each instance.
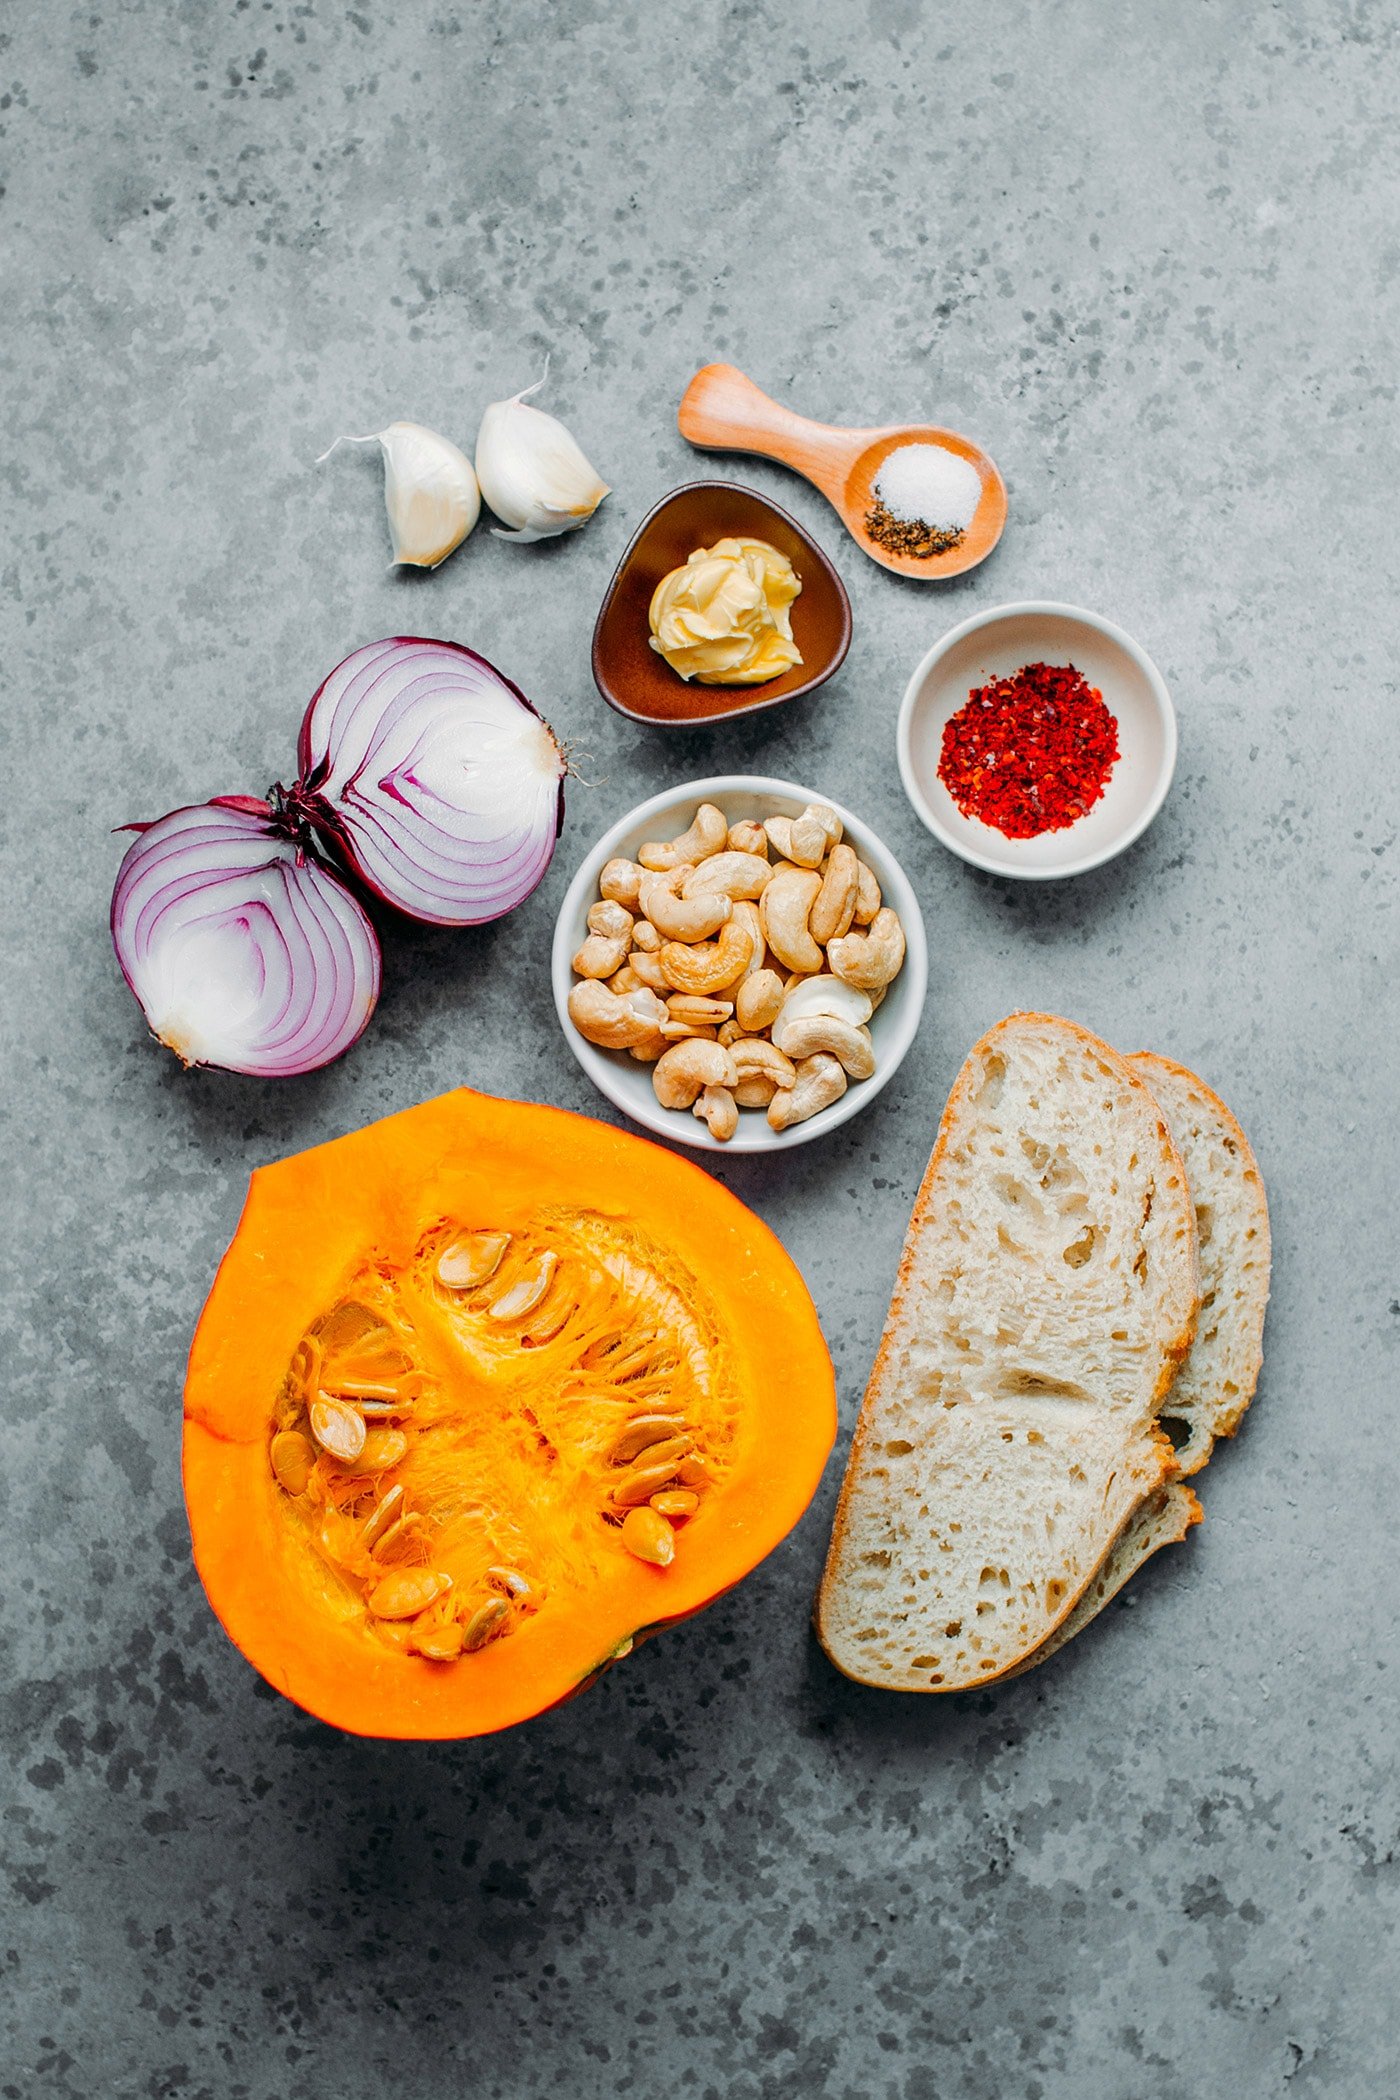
(1030, 753)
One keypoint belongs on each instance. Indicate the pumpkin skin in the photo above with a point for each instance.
(663, 1249)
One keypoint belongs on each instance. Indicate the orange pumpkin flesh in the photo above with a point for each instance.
(505, 1414)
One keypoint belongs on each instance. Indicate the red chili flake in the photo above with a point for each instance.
(1030, 753)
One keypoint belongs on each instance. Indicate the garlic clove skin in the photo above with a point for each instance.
(430, 492)
(533, 472)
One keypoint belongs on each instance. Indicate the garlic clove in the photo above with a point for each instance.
(533, 472)
(430, 492)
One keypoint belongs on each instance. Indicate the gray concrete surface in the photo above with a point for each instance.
(1147, 254)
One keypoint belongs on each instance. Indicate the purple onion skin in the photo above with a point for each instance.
(307, 804)
(323, 900)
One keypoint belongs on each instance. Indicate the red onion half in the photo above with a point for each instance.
(433, 777)
(242, 951)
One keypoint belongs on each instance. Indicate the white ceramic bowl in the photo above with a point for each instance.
(994, 645)
(626, 1083)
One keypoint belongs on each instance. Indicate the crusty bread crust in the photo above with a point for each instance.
(1155, 1468)
(1210, 1394)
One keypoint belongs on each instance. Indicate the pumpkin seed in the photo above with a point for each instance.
(509, 1579)
(553, 1324)
(306, 1365)
(640, 1432)
(524, 1296)
(346, 1325)
(437, 1640)
(338, 1429)
(383, 1449)
(386, 1511)
(693, 1472)
(649, 1537)
(676, 1503)
(485, 1624)
(471, 1259)
(380, 1410)
(292, 1459)
(402, 1541)
(338, 1540)
(668, 1453)
(361, 1389)
(407, 1592)
(641, 1484)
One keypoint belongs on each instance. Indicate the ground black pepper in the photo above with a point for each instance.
(911, 535)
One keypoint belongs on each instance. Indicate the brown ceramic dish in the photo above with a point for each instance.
(640, 684)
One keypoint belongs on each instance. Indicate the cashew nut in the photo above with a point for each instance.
(826, 995)
(783, 909)
(759, 1000)
(648, 969)
(745, 914)
(748, 836)
(674, 918)
(674, 1031)
(779, 830)
(801, 1039)
(708, 832)
(710, 967)
(820, 1081)
(809, 835)
(755, 1057)
(686, 1068)
(645, 937)
(609, 938)
(836, 900)
(646, 1053)
(620, 881)
(756, 1092)
(729, 1032)
(624, 980)
(867, 894)
(613, 1023)
(686, 1006)
(871, 959)
(716, 1106)
(731, 875)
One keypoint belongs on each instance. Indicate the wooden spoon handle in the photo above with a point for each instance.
(723, 411)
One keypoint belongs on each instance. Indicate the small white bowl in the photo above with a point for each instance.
(626, 1083)
(994, 645)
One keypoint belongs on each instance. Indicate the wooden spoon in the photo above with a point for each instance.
(723, 411)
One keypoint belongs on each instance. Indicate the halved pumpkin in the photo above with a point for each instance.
(482, 1394)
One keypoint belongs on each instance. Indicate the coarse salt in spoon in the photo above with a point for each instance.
(723, 411)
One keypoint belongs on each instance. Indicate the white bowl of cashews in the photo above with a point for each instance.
(692, 1049)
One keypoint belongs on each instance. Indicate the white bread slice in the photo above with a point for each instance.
(1046, 1294)
(1216, 1382)
(1162, 1520)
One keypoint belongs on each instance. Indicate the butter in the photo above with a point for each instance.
(723, 619)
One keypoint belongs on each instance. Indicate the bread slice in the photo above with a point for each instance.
(1216, 1382)
(1162, 1520)
(1046, 1294)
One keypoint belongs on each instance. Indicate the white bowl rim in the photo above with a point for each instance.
(669, 1123)
(1019, 609)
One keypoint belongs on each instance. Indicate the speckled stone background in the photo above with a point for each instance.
(1147, 254)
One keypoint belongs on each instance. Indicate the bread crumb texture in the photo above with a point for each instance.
(1047, 1292)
